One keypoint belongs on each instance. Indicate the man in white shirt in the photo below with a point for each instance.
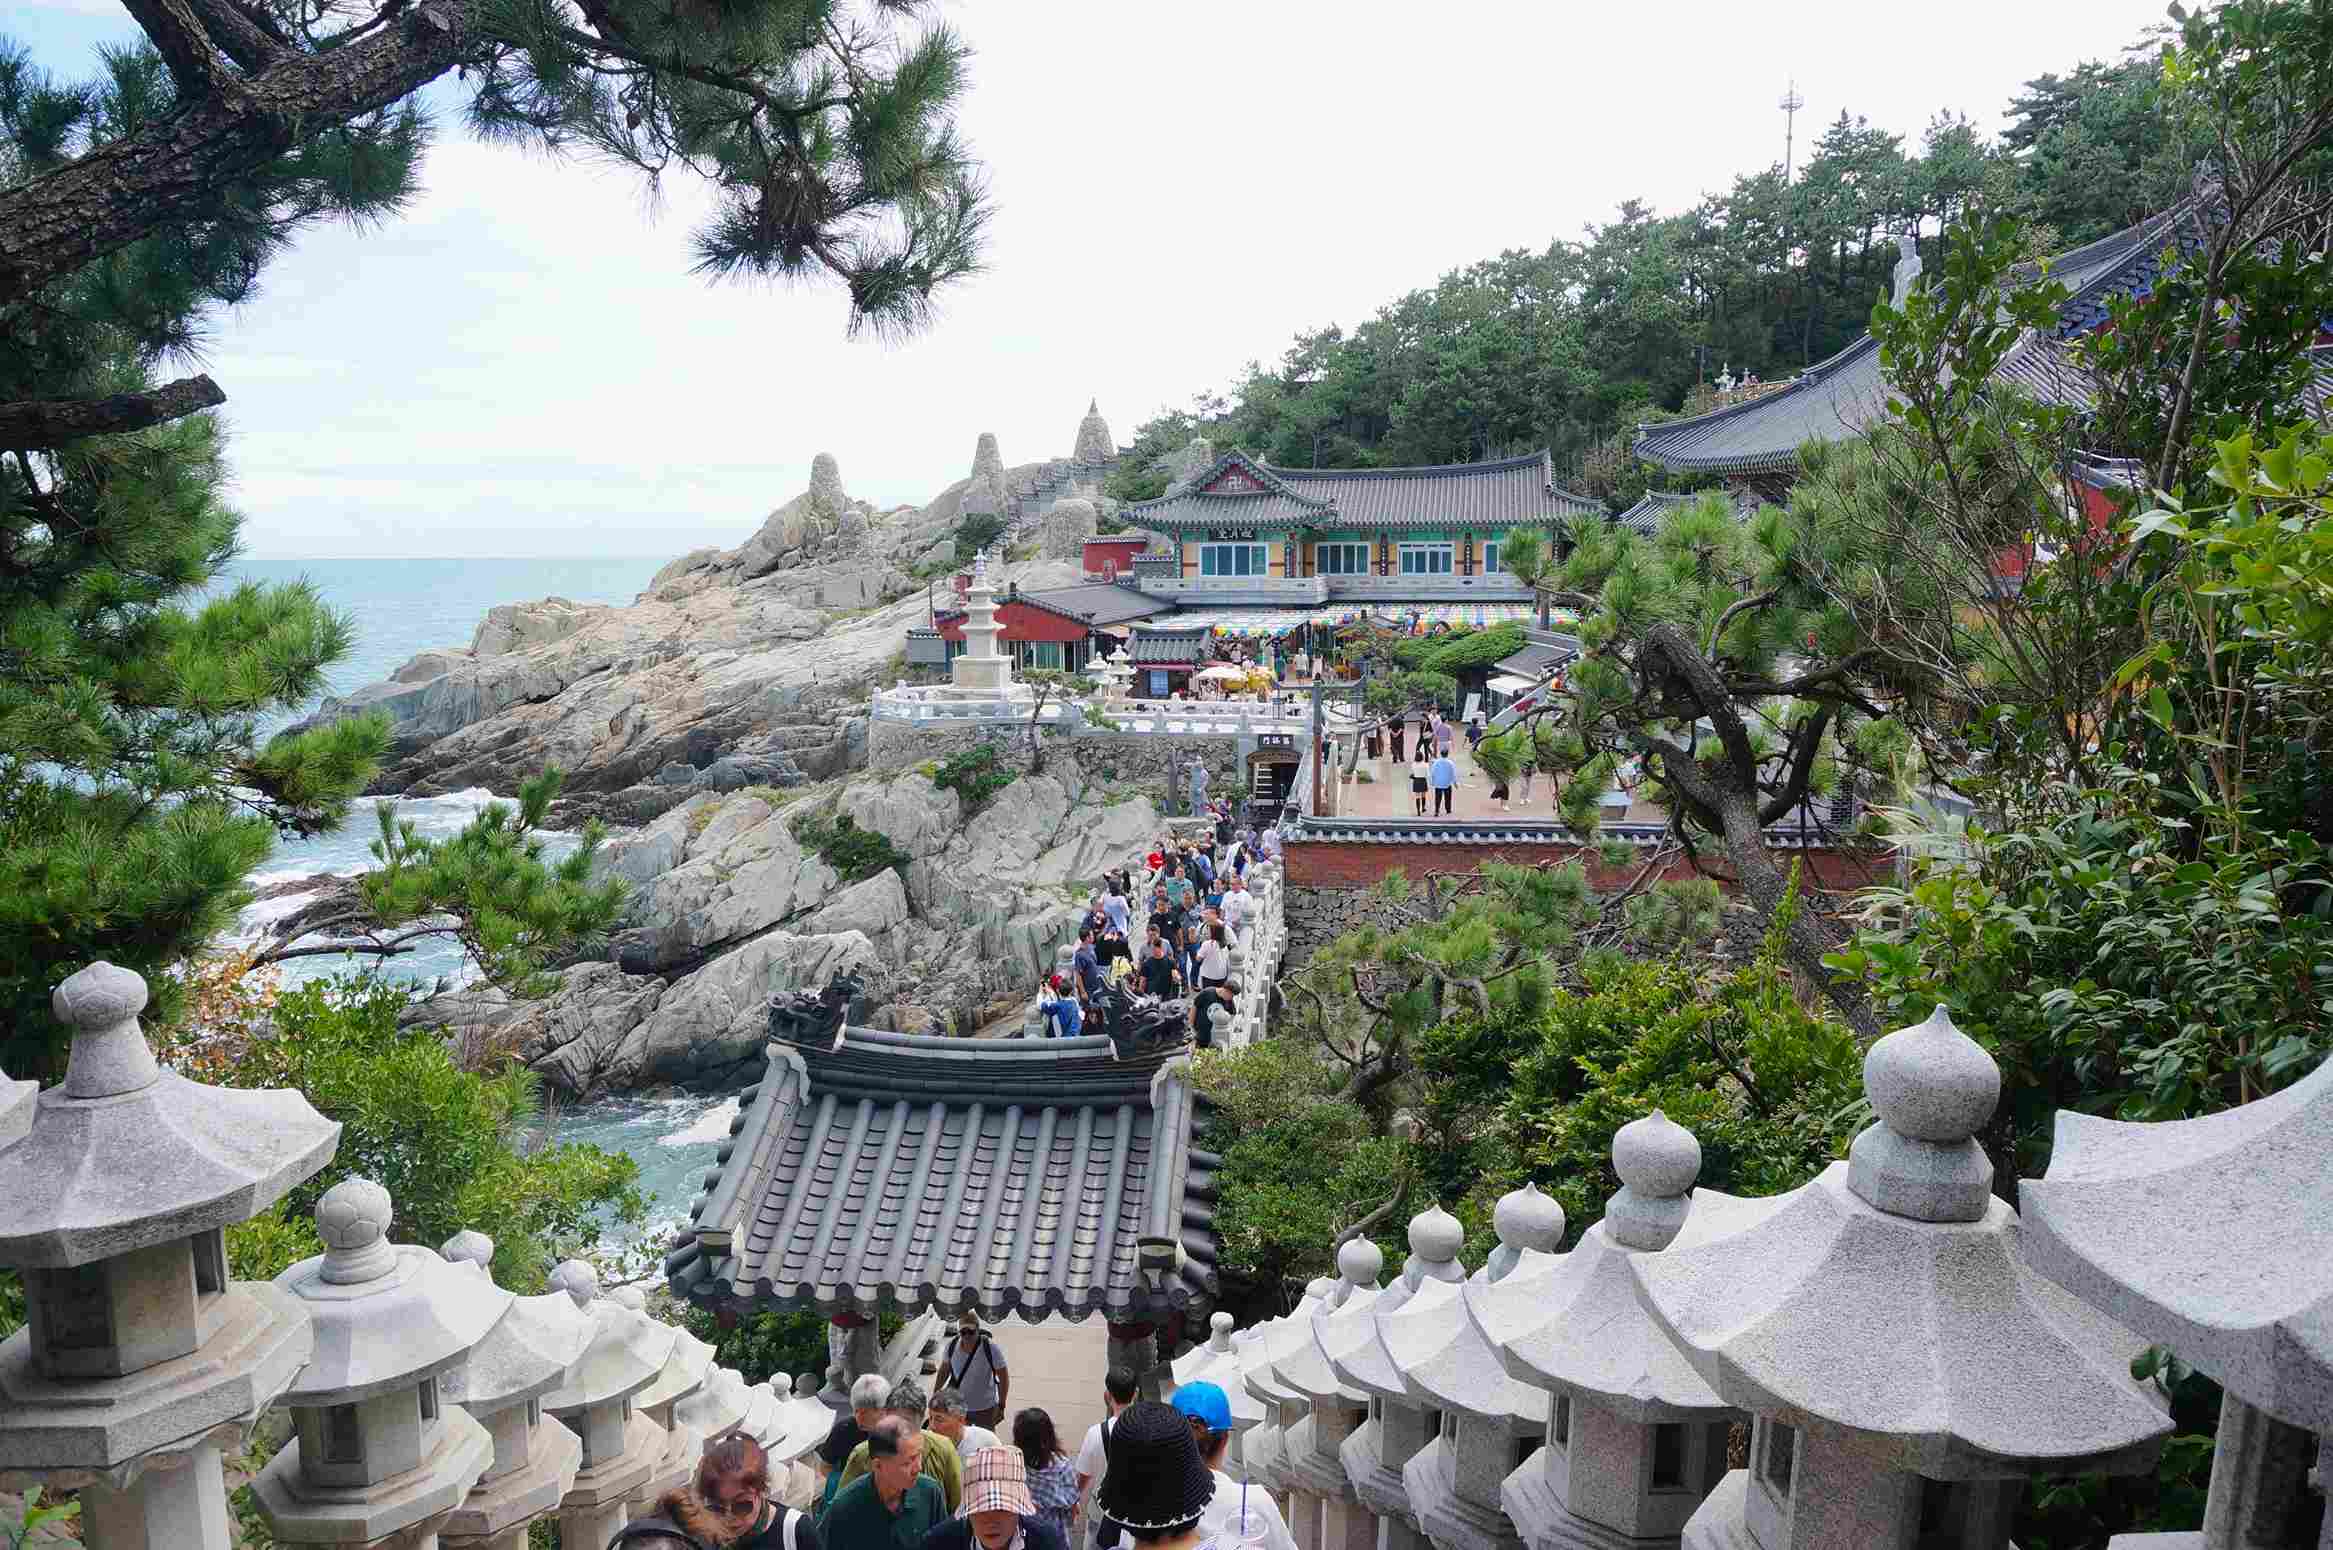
(949, 1420)
(1093, 1458)
(1239, 906)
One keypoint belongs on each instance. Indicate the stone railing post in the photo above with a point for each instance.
(381, 1455)
(2214, 1237)
(141, 1361)
(1968, 1371)
(531, 1352)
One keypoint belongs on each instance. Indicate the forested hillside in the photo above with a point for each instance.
(1573, 345)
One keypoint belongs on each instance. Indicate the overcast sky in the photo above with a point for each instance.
(524, 365)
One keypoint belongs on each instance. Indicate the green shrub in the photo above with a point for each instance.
(974, 774)
(856, 854)
(1467, 651)
(976, 533)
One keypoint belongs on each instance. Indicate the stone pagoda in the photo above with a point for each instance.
(622, 1447)
(141, 1359)
(1490, 1422)
(527, 1355)
(1399, 1426)
(1907, 1370)
(1636, 1438)
(982, 669)
(1315, 1444)
(2214, 1236)
(380, 1454)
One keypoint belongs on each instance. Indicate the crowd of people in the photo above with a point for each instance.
(1165, 937)
(903, 1472)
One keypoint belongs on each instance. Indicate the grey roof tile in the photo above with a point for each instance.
(1506, 492)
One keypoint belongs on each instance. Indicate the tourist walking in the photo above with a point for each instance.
(1420, 768)
(1198, 787)
(727, 1502)
(1214, 959)
(1442, 734)
(999, 1513)
(1205, 1006)
(1399, 728)
(1093, 1455)
(975, 1365)
(1442, 775)
(1529, 769)
(939, 1460)
(868, 1397)
(894, 1504)
(1114, 905)
(1052, 1472)
(1086, 965)
(1157, 1488)
(1208, 1409)
(1160, 977)
(950, 1420)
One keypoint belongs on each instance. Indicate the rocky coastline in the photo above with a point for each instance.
(704, 723)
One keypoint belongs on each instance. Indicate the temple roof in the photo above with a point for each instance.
(1646, 516)
(1098, 602)
(2213, 1236)
(1847, 393)
(1168, 647)
(1240, 491)
(875, 1169)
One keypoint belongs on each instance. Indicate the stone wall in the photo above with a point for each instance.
(1124, 761)
(1358, 864)
(1318, 916)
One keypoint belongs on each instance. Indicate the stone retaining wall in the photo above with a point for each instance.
(1318, 916)
(1124, 761)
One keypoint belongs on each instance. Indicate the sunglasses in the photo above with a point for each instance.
(735, 1507)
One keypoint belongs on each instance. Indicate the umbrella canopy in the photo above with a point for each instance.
(1222, 673)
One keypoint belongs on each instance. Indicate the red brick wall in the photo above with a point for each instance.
(1354, 864)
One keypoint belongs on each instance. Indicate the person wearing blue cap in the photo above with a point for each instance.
(1238, 1514)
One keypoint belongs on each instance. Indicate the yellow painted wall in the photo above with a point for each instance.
(1190, 559)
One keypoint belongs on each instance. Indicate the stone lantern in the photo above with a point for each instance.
(379, 1453)
(621, 1445)
(723, 1403)
(1222, 1362)
(2214, 1236)
(1907, 1369)
(1490, 1423)
(524, 1357)
(1399, 1426)
(141, 1359)
(685, 1370)
(1636, 1438)
(16, 1100)
(1314, 1444)
(1279, 1458)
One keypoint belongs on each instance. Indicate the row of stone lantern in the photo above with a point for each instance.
(1889, 1352)
(425, 1400)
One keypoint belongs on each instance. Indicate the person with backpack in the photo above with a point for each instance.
(726, 1506)
(976, 1366)
(1093, 1455)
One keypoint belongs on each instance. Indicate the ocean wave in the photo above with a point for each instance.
(710, 1128)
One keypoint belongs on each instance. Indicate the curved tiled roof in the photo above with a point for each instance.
(1647, 515)
(1506, 492)
(1848, 392)
(1167, 647)
(1008, 1176)
(1097, 603)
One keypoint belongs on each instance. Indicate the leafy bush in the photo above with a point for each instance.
(1469, 651)
(450, 1146)
(975, 533)
(975, 774)
(856, 854)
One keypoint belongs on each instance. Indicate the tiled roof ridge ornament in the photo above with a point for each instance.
(1932, 1087)
(1658, 1161)
(1524, 1219)
(110, 1055)
(352, 1221)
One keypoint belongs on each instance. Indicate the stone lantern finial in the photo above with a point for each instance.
(1657, 1160)
(1524, 1219)
(1219, 1331)
(352, 1220)
(1932, 1087)
(578, 1280)
(782, 1385)
(470, 1247)
(630, 1298)
(1360, 1262)
(101, 1005)
(1435, 1239)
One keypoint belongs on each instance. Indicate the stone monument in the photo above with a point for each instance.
(527, 1355)
(1069, 522)
(380, 1455)
(1907, 1370)
(141, 1359)
(982, 669)
(621, 1446)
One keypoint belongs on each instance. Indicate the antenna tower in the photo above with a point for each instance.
(1790, 104)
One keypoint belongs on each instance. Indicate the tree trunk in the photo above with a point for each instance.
(1765, 883)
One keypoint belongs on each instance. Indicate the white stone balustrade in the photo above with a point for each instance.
(381, 1456)
(141, 1360)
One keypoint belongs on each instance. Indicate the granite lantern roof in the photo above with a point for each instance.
(16, 1099)
(1168, 648)
(1239, 491)
(1846, 394)
(876, 1170)
(528, 1353)
(2213, 1236)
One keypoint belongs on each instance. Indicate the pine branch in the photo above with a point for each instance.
(40, 424)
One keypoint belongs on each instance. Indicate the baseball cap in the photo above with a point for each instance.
(1204, 1403)
(996, 1480)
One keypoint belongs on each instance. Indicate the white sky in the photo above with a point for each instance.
(525, 366)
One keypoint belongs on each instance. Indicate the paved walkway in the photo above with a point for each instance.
(1057, 1366)
(1388, 795)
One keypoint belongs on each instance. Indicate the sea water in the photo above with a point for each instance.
(403, 606)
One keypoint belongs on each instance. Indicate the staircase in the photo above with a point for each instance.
(1026, 504)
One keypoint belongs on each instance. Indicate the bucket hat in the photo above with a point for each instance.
(996, 1480)
(1156, 1483)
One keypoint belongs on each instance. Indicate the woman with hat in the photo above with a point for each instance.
(998, 1512)
(1208, 1410)
(1157, 1488)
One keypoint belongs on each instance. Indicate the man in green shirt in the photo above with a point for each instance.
(894, 1504)
(942, 1465)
